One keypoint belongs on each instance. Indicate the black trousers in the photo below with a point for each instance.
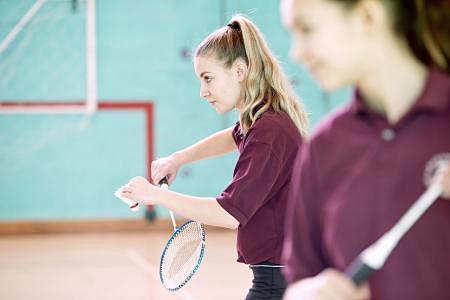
(268, 282)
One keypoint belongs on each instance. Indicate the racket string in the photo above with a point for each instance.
(184, 252)
(182, 256)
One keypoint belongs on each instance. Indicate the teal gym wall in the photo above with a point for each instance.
(66, 167)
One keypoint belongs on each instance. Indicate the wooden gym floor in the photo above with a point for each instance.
(113, 266)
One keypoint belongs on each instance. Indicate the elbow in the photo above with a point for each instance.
(229, 222)
(232, 224)
(226, 219)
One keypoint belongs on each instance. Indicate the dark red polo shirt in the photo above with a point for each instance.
(356, 178)
(257, 195)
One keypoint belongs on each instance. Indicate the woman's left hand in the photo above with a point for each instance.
(141, 191)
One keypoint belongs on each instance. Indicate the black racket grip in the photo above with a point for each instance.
(165, 180)
(358, 271)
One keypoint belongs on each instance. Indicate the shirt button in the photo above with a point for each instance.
(387, 134)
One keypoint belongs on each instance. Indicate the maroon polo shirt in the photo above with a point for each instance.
(258, 193)
(356, 178)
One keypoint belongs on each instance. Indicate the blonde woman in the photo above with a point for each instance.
(238, 71)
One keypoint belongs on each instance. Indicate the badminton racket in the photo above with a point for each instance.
(183, 252)
(374, 257)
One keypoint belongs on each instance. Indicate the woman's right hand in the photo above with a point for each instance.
(165, 166)
(330, 284)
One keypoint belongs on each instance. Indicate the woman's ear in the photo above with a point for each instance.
(373, 15)
(241, 69)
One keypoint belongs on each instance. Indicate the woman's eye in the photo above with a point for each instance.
(208, 79)
(305, 29)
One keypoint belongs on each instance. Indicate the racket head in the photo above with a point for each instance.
(182, 255)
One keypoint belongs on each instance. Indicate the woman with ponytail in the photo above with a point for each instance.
(237, 70)
(366, 164)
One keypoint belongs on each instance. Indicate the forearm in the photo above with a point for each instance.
(201, 209)
(217, 144)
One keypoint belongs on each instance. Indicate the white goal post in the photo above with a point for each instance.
(88, 105)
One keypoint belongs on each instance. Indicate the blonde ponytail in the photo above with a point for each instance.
(266, 85)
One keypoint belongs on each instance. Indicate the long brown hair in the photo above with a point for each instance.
(424, 24)
(266, 85)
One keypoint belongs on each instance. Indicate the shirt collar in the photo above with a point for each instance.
(435, 95)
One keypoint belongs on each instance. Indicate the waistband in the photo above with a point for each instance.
(266, 264)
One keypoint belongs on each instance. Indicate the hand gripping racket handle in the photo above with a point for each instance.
(164, 184)
(358, 271)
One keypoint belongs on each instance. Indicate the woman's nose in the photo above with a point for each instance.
(297, 51)
(204, 93)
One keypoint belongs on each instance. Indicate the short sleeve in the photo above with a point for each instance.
(255, 174)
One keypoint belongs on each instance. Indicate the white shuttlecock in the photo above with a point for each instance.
(134, 206)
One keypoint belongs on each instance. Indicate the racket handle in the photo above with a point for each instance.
(358, 271)
(164, 184)
(165, 181)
